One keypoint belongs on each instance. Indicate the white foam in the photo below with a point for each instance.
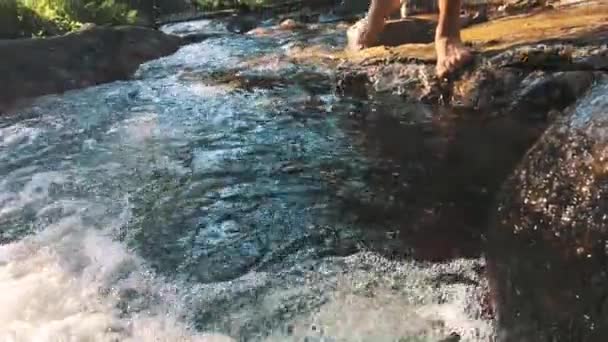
(18, 134)
(64, 284)
(203, 25)
(35, 190)
(214, 160)
(67, 283)
(206, 90)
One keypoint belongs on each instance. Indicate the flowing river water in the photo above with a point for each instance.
(173, 207)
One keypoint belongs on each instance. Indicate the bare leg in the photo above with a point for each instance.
(379, 10)
(451, 53)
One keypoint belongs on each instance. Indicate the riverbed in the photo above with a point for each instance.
(185, 205)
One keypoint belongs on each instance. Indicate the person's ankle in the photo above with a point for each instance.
(448, 33)
(376, 16)
(381, 10)
(376, 23)
(449, 38)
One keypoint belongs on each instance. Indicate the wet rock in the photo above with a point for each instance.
(511, 88)
(534, 78)
(453, 337)
(289, 24)
(414, 81)
(198, 37)
(34, 67)
(550, 56)
(473, 18)
(547, 247)
(552, 91)
(353, 84)
(517, 6)
(242, 23)
(260, 31)
(486, 87)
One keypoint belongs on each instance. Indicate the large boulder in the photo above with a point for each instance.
(242, 23)
(547, 245)
(34, 67)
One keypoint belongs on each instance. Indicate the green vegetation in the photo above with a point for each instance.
(31, 18)
(23, 18)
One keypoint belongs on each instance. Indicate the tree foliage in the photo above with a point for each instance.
(80, 11)
(23, 18)
(26, 18)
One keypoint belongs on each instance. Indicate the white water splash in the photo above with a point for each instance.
(64, 284)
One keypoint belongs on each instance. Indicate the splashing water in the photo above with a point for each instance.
(187, 205)
(67, 283)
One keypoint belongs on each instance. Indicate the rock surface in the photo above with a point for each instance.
(242, 23)
(536, 77)
(543, 61)
(547, 246)
(408, 30)
(34, 67)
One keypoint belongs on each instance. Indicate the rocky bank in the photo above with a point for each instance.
(34, 67)
(529, 150)
(546, 244)
(518, 59)
(538, 84)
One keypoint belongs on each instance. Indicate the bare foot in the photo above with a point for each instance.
(373, 25)
(451, 55)
(368, 33)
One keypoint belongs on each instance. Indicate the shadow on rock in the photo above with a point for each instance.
(433, 175)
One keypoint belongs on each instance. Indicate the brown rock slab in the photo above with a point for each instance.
(34, 67)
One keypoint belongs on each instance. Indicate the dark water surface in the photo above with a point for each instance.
(191, 201)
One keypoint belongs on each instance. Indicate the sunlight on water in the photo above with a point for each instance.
(159, 209)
